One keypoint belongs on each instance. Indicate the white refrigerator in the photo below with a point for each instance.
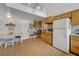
(61, 34)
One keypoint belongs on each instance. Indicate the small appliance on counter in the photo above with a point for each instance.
(77, 31)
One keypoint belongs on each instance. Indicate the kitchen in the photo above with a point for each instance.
(60, 31)
(72, 42)
(71, 38)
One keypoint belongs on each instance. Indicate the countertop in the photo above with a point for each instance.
(11, 34)
(74, 35)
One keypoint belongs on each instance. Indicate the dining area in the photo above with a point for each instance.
(10, 40)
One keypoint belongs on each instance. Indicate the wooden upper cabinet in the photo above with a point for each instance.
(75, 17)
(65, 15)
(37, 24)
(48, 20)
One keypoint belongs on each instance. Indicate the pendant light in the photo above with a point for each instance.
(10, 25)
(44, 9)
(8, 15)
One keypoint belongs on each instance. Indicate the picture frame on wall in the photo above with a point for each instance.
(31, 26)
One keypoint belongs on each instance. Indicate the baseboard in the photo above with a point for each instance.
(60, 50)
(74, 53)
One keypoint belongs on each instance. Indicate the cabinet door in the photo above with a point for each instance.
(75, 44)
(37, 24)
(47, 37)
(48, 20)
(75, 17)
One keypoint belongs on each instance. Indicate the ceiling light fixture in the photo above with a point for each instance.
(38, 7)
(44, 9)
(10, 25)
(8, 15)
(29, 3)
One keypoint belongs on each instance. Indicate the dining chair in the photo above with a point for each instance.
(18, 38)
(1, 42)
(9, 41)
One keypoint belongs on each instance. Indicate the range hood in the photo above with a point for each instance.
(26, 9)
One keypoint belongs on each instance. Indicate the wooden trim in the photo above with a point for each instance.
(70, 36)
(70, 44)
(65, 15)
(52, 38)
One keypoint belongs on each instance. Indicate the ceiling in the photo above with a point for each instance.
(54, 9)
(22, 15)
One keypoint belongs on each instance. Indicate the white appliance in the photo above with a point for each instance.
(61, 33)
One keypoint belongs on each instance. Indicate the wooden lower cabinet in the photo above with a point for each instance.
(48, 37)
(74, 44)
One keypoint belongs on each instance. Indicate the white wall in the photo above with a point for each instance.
(3, 19)
(22, 24)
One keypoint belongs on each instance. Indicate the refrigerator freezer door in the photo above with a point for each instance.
(60, 40)
(62, 23)
(59, 23)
